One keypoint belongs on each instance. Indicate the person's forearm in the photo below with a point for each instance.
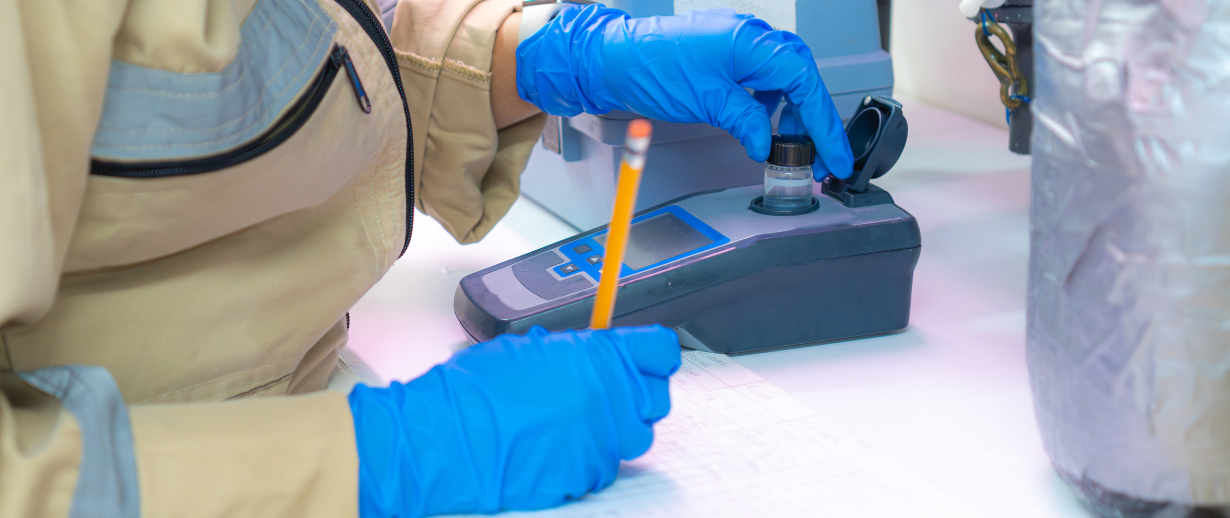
(506, 106)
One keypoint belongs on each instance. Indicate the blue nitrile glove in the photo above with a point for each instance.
(686, 68)
(520, 422)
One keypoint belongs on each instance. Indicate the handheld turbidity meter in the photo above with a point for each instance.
(735, 270)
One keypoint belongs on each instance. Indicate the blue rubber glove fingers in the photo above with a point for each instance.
(765, 59)
(633, 364)
(656, 353)
(652, 351)
(770, 99)
(790, 122)
(746, 119)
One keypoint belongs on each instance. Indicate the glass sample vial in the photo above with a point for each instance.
(788, 175)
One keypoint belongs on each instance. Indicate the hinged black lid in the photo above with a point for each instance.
(792, 151)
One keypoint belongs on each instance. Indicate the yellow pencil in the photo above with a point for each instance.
(635, 146)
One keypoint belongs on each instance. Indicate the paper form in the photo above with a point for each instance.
(735, 445)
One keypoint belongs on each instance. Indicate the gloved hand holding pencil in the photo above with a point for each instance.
(519, 422)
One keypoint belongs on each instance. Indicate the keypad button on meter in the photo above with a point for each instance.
(582, 249)
(569, 269)
(594, 259)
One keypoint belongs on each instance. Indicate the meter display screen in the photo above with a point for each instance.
(657, 239)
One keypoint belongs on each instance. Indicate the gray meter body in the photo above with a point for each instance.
(729, 279)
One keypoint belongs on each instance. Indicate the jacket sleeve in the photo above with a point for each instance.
(467, 174)
(70, 447)
(68, 444)
(51, 95)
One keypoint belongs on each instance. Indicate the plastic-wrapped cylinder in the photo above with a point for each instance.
(1129, 285)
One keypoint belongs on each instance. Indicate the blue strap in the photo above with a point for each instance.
(1025, 99)
(1008, 112)
(107, 480)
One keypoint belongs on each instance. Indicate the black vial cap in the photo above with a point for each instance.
(792, 151)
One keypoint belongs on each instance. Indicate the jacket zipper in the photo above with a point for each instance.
(374, 28)
(283, 129)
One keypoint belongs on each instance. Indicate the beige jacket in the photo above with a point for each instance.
(126, 243)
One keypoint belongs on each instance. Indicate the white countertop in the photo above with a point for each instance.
(949, 398)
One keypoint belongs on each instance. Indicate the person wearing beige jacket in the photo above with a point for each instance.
(193, 193)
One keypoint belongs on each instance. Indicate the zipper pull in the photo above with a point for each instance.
(341, 59)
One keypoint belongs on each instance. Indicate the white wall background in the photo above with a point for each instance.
(935, 60)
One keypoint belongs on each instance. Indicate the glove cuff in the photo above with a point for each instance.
(556, 64)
